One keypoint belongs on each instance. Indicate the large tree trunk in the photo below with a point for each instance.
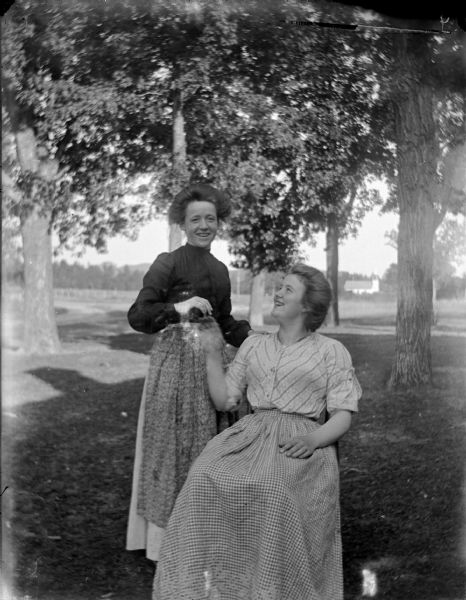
(416, 157)
(256, 302)
(179, 163)
(332, 267)
(40, 328)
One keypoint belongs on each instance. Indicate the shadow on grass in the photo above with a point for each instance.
(402, 477)
(135, 342)
(110, 330)
(70, 467)
(402, 473)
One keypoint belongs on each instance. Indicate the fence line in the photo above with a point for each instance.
(16, 292)
(94, 293)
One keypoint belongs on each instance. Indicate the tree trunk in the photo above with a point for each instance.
(416, 158)
(332, 267)
(40, 328)
(175, 237)
(256, 302)
(434, 302)
(238, 282)
(179, 163)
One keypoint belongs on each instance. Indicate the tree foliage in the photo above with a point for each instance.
(292, 121)
(99, 82)
(56, 81)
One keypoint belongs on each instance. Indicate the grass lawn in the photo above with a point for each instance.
(69, 424)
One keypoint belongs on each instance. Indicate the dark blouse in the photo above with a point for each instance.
(179, 275)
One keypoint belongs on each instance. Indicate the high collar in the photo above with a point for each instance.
(196, 249)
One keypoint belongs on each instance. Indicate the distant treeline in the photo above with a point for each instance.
(108, 276)
(105, 276)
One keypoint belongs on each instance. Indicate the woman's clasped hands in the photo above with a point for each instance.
(195, 302)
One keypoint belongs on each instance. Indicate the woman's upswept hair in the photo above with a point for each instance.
(317, 294)
(199, 192)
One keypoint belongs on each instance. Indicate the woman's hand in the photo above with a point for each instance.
(232, 404)
(253, 332)
(303, 446)
(195, 302)
(300, 446)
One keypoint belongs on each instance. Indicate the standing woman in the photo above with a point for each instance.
(177, 417)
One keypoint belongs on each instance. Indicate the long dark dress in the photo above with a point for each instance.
(177, 417)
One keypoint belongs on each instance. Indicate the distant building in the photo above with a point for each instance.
(363, 286)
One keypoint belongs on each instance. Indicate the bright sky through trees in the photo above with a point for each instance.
(367, 254)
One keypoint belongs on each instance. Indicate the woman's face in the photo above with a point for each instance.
(200, 223)
(287, 305)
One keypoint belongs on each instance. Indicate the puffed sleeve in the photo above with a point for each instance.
(150, 312)
(234, 332)
(343, 389)
(236, 374)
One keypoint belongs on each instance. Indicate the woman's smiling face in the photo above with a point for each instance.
(287, 303)
(200, 223)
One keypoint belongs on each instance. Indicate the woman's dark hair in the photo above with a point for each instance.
(199, 192)
(317, 294)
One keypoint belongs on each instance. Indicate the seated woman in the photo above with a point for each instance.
(258, 517)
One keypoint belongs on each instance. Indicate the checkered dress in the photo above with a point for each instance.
(251, 523)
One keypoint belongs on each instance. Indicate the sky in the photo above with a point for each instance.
(368, 254)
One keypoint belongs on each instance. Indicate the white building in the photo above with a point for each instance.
(363, 286)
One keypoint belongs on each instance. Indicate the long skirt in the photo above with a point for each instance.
(253, 524)
(176, 420)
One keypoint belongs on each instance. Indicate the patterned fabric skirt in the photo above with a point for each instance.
(251, 523)
(179, 419)
(176, 420)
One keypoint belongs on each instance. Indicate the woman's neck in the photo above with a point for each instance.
(289, 333)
